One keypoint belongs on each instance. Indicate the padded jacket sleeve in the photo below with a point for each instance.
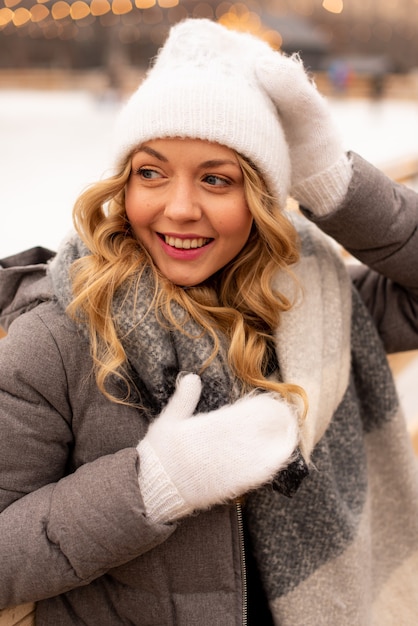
(378, 224)
(58, 529)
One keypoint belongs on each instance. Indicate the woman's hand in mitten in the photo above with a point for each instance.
(190, 462)
(321, 170)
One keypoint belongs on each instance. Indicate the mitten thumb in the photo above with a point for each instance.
(183, 402)
(285, 80)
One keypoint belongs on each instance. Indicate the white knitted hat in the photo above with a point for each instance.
(203, 85)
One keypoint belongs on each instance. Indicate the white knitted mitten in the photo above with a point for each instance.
(321, 171)
(190, 462)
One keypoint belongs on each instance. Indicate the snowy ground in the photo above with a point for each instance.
(52, 144)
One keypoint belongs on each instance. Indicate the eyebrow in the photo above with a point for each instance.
(210, 163)
(153, 153)
(218, 162)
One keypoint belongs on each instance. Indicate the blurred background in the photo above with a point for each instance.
(67, 66)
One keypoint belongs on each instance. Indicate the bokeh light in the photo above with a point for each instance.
(39, 12)
(60, 10)
(334, 6)
(133, 30)
(120, 7)
(99, 7)
(79, 10)
(21, 16)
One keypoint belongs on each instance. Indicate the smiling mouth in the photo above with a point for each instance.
(185, 244)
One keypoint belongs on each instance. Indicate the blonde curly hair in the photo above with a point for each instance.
(239, 302)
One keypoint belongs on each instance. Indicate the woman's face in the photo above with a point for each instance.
(185, 202)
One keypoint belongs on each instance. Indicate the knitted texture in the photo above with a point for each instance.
(212, 458)
(323, 192)
(345, 538)
(162, 499)
(203, 86)
(321, 172)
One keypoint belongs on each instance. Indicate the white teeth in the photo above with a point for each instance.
(185, 244)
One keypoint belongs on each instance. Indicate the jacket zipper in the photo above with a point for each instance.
(238, 507)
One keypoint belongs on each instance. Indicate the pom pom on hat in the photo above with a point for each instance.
(203, 85)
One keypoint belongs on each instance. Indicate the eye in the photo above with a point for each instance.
(216, 181)
(147, 174)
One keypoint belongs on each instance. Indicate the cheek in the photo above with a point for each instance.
(129, 204)
(237, 224)
(135, 208)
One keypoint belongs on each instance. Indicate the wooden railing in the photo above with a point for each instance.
(403, 171)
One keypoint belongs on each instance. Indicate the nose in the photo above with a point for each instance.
(182, 204)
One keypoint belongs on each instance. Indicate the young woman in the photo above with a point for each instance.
(198, 423)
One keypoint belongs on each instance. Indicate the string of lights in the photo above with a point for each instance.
(374, 26)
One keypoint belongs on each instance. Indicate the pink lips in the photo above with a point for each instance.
(184, 254)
